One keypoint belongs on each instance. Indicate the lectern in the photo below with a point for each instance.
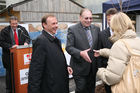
(20, 60)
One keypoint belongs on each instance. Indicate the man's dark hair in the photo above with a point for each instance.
(44, 19)
(111, 11)
(84, 9)
(13, 18)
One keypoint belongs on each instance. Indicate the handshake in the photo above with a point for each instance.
(96, 53)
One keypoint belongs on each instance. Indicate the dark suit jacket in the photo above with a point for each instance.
(76, 42)
(48, 69)
(105, 43)
(7, 41)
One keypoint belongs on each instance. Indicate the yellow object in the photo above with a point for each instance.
(63, 47)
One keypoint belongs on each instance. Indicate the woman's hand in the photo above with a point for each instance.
(96, 53)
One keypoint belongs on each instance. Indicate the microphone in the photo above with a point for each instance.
(22, 32)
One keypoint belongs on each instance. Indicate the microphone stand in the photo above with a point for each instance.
(22, 32)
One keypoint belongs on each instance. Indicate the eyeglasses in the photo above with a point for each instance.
(86, 18)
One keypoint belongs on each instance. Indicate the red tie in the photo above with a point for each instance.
(15, 37)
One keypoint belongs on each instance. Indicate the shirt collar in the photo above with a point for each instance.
(111, 32)
(50, 34)
(89, 27)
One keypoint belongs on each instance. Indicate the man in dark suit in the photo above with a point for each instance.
(48, 69)
(80, 43)
(105, 42)
(8, 39)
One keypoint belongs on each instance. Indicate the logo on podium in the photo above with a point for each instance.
(27, 58)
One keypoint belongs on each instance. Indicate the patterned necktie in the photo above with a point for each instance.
(89, 36)
(15, 37)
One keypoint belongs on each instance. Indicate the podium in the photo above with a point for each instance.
(20, 60)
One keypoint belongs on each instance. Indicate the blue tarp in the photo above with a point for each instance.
(132, 6)
(2, 70)
(128, 5)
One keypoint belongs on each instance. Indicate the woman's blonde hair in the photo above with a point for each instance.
(120, 23)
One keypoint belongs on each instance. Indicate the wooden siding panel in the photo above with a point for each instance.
(34, 10)
(49, 5)
(36, 17)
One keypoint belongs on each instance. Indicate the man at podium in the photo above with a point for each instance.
(10, 37)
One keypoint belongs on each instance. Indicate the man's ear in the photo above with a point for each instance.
(44, 25)
(80, 17)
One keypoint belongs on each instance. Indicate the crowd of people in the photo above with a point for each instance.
(94, 53)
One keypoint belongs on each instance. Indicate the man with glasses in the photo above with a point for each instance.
(82, 38)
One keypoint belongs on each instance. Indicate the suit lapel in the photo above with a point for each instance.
(10, 32)
(82, 33)
(108, 32)
(52, 39)
(93, 32)
(19, 35)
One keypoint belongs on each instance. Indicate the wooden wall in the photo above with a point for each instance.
(64, 10)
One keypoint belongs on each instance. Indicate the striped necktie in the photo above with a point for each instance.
(89, 36)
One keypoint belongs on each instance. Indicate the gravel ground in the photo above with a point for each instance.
(71, 85)
(2, 85)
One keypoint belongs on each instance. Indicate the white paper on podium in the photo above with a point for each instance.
(24, 76)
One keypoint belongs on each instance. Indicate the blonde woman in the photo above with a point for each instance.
(118, 55)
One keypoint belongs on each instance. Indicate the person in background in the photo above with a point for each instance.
(104, 41)
(119, 56)
(48, 69)
(82, 38)
(11, 37)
